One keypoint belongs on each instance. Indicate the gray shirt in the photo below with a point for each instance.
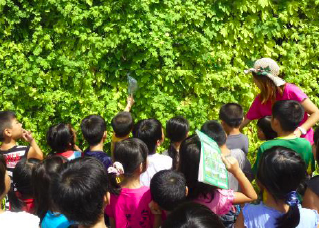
(239, 141)
(244, 165)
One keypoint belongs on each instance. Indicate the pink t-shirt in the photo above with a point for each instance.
(221, 203)
(291, 92)
(131, 209)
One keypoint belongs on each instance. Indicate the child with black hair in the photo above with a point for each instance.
(122, 124)
(129, 201)
(280, 172)
(192, 215)
(81, 192)
(231, 116)
(10, 132)
(150, 131)
(286, 117)
(8, 218)
(23, 198)
(177, 129)
(168, 189)
(220, 201)
(94, 132)
(214, 130)
(264, 130)
(61, 138)
(42, 183)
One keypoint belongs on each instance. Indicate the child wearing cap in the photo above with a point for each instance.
(273, 88)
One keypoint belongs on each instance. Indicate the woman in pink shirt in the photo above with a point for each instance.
(273, 88)
(129, 201)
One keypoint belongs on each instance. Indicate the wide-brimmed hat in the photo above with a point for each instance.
(269, 68)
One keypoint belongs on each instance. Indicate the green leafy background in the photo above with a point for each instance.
(61, 60)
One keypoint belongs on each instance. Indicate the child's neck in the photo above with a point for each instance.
(279, 205)
(8, 143)
(224, 149)
(285, 134)
(131, 182)
(98, 147)
(232, 131)
(99, 224)
(177, 145)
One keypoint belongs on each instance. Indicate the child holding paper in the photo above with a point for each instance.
(220, 201)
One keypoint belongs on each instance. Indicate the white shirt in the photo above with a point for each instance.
(155, 163)
(10, 219)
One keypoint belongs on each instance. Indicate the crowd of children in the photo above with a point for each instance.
(138, 187)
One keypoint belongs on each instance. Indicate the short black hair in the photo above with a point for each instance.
(232, 114)
(215, 130)
(122, 124)
(60, 137)
(168, 189)
(192, 215)
(149, 131)
(5, 122)
(177, 129)
(93, 128)
(79, 190)
(289, 113)
(265, 126)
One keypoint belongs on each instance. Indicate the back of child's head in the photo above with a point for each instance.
(122, 124)
(232, 114)
(168, 189)
(150, 131)
(6, 118)
(61, 137)
(3, 185)
(289, 113)
(132, 155)
(22, 181)
(79, 191)
(177, 129)
(280, 172)
(42, 177)
(189, 165)
(264, 125)
(215, 130)
(93, 128)
(192, 215)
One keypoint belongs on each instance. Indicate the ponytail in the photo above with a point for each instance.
(174, 154)
(292, 218)
(115, 176)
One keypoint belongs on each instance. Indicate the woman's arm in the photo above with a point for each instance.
(244, 123)
(313, 111)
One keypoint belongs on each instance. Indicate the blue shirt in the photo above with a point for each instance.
(260, 216)
(100, 155)
(55, 220)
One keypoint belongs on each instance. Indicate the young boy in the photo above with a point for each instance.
(94, 132)
(286, 117)
(168, 189)
(80, 192)
(10, 132)
(150, 131)
(231, 116)
(122, 124)
(215, 130)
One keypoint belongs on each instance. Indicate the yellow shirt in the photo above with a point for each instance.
(115, 140)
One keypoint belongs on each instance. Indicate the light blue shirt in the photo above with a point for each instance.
(260, 216)
(55, 220)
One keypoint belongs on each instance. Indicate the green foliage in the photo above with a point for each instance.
(61, 60)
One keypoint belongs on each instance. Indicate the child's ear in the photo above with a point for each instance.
(186, 191)
(143, 167)
(107, 198)
(7, 132)
(104, 135)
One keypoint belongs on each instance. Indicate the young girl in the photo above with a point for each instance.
(129, 203)
(264, 130)
(13, 219)
(280, 172)
(22, 199)
(176, 130)
(61, 138)
(311, 197)
(41, 179)
(273, 88)
(220, 201)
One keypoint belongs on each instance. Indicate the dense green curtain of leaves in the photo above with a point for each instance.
(61, 60)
